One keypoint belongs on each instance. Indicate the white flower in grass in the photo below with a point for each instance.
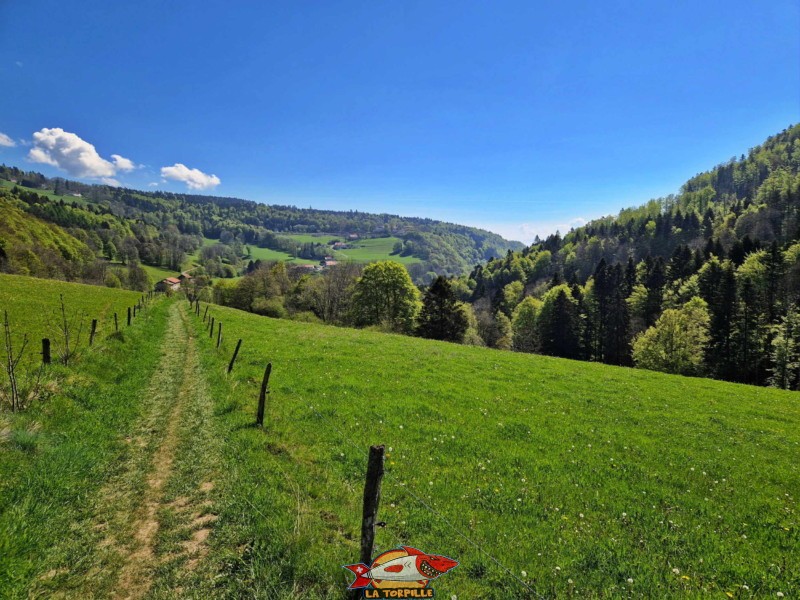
(780, 594)
(676, 571)
(524, 573)
(630, 581)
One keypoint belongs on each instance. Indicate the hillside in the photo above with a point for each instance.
(580, 479)
(160, 228)
(731, 238)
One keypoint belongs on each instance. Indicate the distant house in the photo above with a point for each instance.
(339, 245)
(185, 276)
(169, 284)
(353, 236)
(330, 263)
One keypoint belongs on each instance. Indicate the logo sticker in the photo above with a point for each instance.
(404, 572)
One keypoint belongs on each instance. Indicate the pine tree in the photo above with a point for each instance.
(442, 317)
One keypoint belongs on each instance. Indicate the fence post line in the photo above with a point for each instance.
(205, 313)
(116, 324)
(129, 316)
(94, 330)
(262, 397)
(211, 333)
(219, 334)
(235, 354)
(372, 498)
(45, 351)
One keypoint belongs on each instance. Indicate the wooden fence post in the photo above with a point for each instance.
(211, 333)
(116, 324)
(45, 351)
(372, 498)
(262, 397)
(205, 313)
(233, 358)
(93, 331)
(129, 316)
(219, 334)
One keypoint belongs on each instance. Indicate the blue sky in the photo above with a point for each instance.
(518, 116)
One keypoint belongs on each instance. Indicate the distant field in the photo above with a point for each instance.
(584, 480)
(365, 250)
(32, 306)
(257, 253)
(312, 238)
(4, 183)
(372, 249)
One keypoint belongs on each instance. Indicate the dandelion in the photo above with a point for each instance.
(744, 537)
(630, 581)
(676, 571)
(401, 426)
(430, 483)
(558, 568)
(524, 573)
(744, 587)
(779, 594)
(569, 581)
(519, 499)
(624, 515)
(686, 577)
(580, 515)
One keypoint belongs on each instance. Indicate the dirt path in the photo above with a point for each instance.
(136, 576)
(153, 520)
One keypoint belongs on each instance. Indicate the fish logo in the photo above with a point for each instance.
(401, 568)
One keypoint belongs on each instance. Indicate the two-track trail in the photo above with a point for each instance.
(152, 520)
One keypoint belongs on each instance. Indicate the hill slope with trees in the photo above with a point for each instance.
(704, 282)
(161, 228)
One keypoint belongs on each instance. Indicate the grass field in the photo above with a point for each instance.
(33, 306)
(267, 254)
(583, 480)
(4, 183)
(144, 471)
(365, 250)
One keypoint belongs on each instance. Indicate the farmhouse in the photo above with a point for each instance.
(169, 284)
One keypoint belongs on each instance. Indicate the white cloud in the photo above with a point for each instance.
(122, 163)
(110, 181)
(69, 153)
(152, 184)
(6, 141)
(194, 179)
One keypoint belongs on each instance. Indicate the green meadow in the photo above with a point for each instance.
(33, 307)
(581, 479)
(542, 477)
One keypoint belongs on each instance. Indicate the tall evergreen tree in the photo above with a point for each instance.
(441, 318)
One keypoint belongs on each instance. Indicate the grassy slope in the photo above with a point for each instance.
(55, 456)
(564, 470)
(33, 306)
(21, 230)
(4, 183)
